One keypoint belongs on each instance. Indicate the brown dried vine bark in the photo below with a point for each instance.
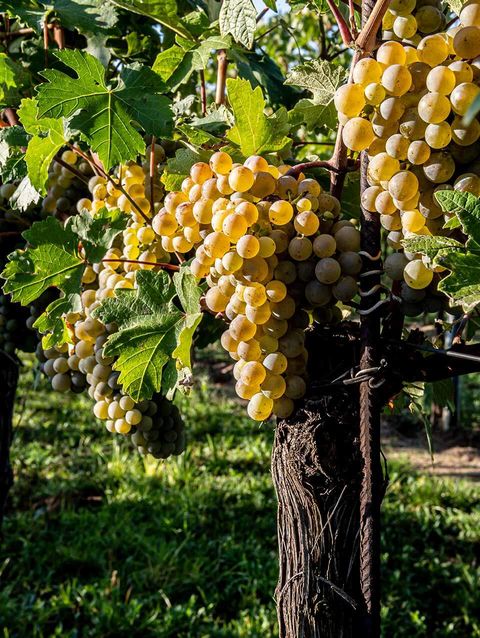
(316, 471)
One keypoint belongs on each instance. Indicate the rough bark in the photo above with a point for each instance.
(316, 469)
(8, 382)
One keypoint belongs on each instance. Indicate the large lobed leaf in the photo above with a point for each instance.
(321, 78)
(154, 338)
(253, 131)
(239, 18)
(162, 11)
(103, 115)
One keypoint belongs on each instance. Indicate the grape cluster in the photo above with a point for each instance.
(273, 252)
(154, 426)
(65, 187)
(410, 20)
(407, 108)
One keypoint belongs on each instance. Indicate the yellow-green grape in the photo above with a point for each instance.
(401, 7)
(391, 53)
(469, 183)
(396, 79)
(259, 315)
(306, 223)
(405, 27)
(216, 244)
(374, 93)
(433, 50)
(394, 265)
(249, 211)
(439, 168)
(253, 373)
(284, 309)
(248, 246)
(327, 270)
(164, 224)
(391, 222)
(231, 261)
(366, 71)
(417, 275)
(434, 108)
(412, 221)
(463, 96)
(264, 185)
(200, 172)
(466, 42)
(392, 108)
(349, 99)
(249, 350)
(241, 179)
(470, 15)
(465, 135)
(358, 134)
(259, 407)
(411, 53)
(276, 363)
(397, 146)
(215, 300)
(280, 212)
(345, 288)
(255, 295)
(350, 263)
(274, 386)
(257, 164)
(242, 329)
(245, 391)
(300, 248)
(368, 198)
(221, 163)
(438, 135)
(382, 167)
(382, 127)
(441, 80)
(267, 247)
(276, 291)
(403, 185)
(429, 19)
(234, 226)
(295, 387)
(202, 210)
(384, 204)
(418, 151)
(324, 245)
(462, 70)
(283, 407)
(412, 126)
(133, 417)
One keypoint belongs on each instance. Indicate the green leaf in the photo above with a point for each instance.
(103, 115)
(12, 158)
(39, 156)
(52, 322)
(321, 78)
(170, 66)
(162, 11)
(462, 285)
(178, 167)
(431, 246)
(467, 209)
(154, 337)
(86, 16)
(29, 118)
(29, 12)
(239, 18)
(25, 196)
(254, 132)
(52, 259)
(97, 233)
(197, 137)
(13, 78)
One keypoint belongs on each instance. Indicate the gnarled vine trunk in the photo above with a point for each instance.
(8, 384)
(316, 467)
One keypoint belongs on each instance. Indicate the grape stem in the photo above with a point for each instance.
(203, 92)
(343, 27)
(152, 171)
(367, 38)
(222, 62)
(329, 165)
(11, 116)
(163, 266)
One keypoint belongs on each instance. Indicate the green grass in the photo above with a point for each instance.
(100, 543)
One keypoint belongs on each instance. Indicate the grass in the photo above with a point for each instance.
(100, 543)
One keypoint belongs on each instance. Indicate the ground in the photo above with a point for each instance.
(100, 543)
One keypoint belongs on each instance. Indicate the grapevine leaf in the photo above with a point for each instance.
(198, 137)
(13, 77)
(25, 196)
(86, 16)
(171, 66)
(12, 159)
(104, 115)
(97, 233)
(467, 209)
(254, 132)
(456, 5)
(431, 246)
(239, 18)
(14, 136)
(52, 322)
(321, 78)
(13, 167)
(462, 285)
(162, 11)
(188, 290)
(52, 259)
(30, 12)
(153, 335)
(39, 156)
(178, 167)
(28, 116)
